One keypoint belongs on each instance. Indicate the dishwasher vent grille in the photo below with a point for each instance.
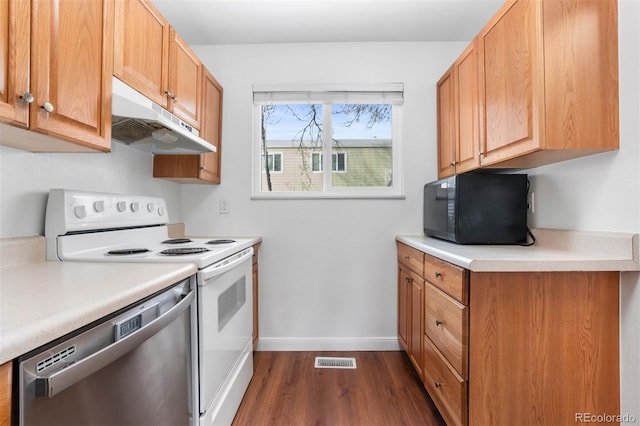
(333, 362)
(55, 358)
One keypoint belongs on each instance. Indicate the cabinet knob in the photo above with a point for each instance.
(27, 97)
(452, 164)
(171, 95)
(438, 384)
(438, 275)
(408, 280)
(47, 106)
(438, 322)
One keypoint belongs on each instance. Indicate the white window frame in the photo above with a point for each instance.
(327, 95)
(278, 153)
(336, 153)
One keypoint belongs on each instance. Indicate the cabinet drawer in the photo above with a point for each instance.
(447, 389)
(449, 278)
(446, 322)
(411, 257)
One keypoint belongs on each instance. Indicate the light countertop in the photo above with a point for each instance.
(555, 250)
(40, 302)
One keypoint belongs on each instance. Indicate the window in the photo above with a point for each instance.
(357, 128)
(338, 162)
(274, 161)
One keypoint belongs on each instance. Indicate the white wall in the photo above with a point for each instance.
(25, 180)
(602, 193)
(327, 267)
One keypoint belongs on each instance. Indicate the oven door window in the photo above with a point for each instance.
(230, 301)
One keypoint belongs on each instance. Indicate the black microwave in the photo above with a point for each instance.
(477, 209)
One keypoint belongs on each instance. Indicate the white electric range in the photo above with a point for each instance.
(100, 227)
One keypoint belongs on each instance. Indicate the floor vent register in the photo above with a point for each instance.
(333, 362)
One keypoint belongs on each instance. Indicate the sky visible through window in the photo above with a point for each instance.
(286, 121)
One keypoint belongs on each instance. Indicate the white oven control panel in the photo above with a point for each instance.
(77, 211)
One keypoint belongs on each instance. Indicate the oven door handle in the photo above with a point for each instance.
(57, 382)
(223, 266)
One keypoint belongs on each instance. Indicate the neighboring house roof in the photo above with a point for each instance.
(339, 143)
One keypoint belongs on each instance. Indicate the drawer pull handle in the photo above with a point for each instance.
(406, 258)
(438, 323)
(438, 275)
(438, 384)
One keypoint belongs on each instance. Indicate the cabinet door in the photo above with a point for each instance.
(71, 52)
(510, 60)
(417, 323)
(184, 81)
(446, 125)
(211, 127)
(467, 132)
(404, 284)
(141, 50)
(14, 60)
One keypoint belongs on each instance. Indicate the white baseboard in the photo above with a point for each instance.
(328, 344)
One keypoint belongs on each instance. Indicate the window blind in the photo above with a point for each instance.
(388, 93)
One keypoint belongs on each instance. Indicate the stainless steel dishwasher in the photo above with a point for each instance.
(135, 367)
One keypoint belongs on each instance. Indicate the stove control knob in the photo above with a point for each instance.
(150, 207)
(80, 212)
(160, 211)
(122, 206)
(135, 206)
(98, 206)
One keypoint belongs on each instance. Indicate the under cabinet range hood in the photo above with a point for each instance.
(143, 124)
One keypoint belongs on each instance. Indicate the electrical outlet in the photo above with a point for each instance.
(224, 206)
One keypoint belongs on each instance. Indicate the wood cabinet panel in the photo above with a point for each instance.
(449, 278)
(446, 125)
(184, 80)
(404, 287)
(510, 56)
(447, 389)
(581, 60)
(411, 257)
(467, 137)
(14, 60)
(446, 323)
(551, 338)
(141, 50)
(67, 71)
(5, 393)
(256, 297)
(416, 334)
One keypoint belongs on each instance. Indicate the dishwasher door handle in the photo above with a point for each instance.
(49, 386)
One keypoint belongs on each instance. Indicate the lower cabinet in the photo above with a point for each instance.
(5, 394)
(411, 304)
(513, 347)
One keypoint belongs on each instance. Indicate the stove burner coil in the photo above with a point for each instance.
(221, 241)
(184, 250)
(125, 252)
(177, 241)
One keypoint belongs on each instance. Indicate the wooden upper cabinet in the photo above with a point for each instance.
(467, 132)
(184, 81)
(70, 59)
(512, 79)
(141, 49)
(198, 168)
(211, 129)
(63, 67)
(458, 119)
(14, 61)
(446, 125)
(152, 58)
(549, 82)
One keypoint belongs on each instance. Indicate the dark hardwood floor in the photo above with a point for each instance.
(384, 390)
